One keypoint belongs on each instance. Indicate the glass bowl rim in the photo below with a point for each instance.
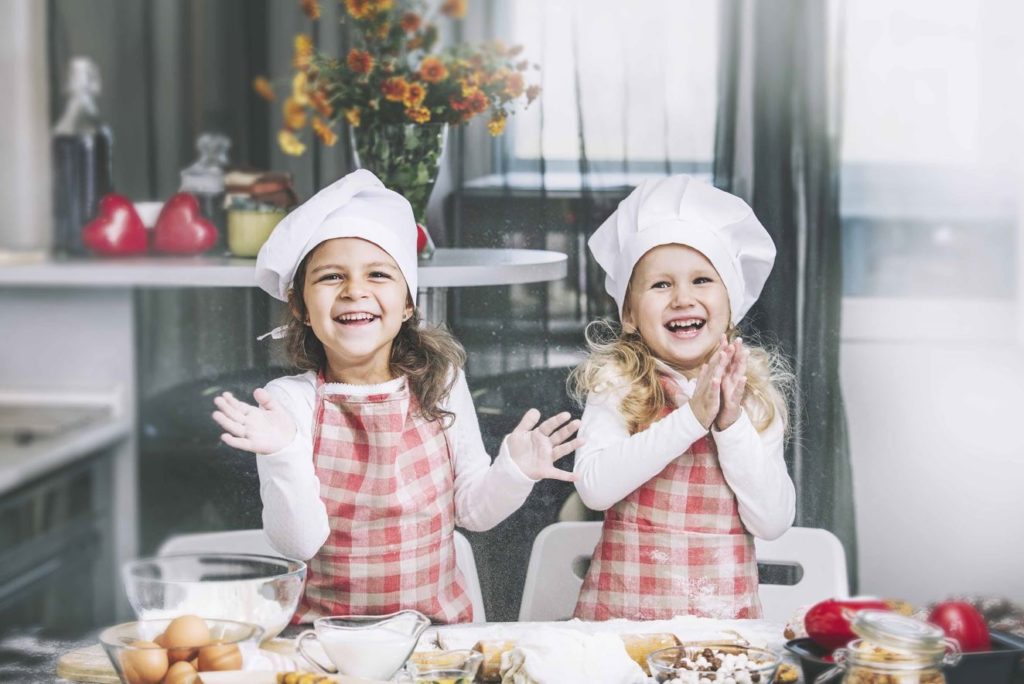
(296, 567)
(776, 658)
(106, 638)
(370, 620)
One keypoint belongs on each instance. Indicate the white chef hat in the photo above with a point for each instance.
(357, 205)
(683, 210)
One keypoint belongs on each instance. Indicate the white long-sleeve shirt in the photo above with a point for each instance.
(294, 517)
(612, 463)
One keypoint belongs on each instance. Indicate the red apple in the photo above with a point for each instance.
(962, 621)
(828, 622)
(117, 228)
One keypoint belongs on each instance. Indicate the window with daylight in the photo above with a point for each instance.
(930, 181)
(632, 84)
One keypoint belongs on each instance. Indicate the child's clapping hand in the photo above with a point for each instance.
(734, 383)
(721, 383)
(262, 429)
(535, 448)
(706, 401)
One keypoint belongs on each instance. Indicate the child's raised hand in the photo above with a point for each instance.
(535, 448)
(262, 429)
(706, 401)
(734, 383)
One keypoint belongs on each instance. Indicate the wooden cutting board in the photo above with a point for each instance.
(91, 664)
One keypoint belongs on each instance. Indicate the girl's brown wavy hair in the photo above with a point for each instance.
(620, 357)
(428, 356)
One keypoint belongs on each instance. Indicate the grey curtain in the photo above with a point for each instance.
(777, 147)
(171, 70)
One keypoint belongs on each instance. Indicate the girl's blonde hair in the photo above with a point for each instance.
(428, 356)
(620, 357)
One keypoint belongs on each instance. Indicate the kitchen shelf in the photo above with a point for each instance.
(451, 267)
(198, 271)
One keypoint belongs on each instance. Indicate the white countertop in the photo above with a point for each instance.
(21, 463)
(448, 268)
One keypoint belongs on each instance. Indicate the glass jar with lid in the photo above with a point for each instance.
(892, 649)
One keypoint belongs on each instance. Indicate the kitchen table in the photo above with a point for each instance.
(31, 658)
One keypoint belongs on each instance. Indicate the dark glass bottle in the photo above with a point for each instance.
(82, 165)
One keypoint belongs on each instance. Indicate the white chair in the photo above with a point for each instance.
(467, 564)
(233, 541)
(558, 562)
(818, 554)
(562, 552)
(255, 541)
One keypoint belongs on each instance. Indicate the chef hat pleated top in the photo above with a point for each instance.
(683, 210)
(357, 206)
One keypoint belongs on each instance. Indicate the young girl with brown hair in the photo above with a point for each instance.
(369, 458)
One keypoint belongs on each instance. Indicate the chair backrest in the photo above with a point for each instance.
(558, 562)
(255, 541)
(820, 563)
(562, 552)
(467, 564)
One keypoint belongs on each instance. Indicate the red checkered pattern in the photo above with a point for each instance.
(675, 546)
(387, 479)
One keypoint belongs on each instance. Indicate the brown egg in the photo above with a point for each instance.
(182, 673)
(220, 657)
(184, 635)
(144, 664)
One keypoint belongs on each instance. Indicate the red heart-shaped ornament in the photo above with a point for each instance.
(117, 228)
(181, 228)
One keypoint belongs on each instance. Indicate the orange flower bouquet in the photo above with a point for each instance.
(397, 93)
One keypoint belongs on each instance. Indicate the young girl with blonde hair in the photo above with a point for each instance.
(369, 458)
(684, 423)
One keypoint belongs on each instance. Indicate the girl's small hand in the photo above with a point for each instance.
(535, 448)
(707, 397)
(734, 383)
(262, 429)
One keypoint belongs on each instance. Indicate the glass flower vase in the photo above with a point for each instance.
(406, 158)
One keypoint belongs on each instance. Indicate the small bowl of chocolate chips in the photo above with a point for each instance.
(713, 664)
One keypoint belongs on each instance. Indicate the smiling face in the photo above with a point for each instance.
(679, 304)
(356, 299)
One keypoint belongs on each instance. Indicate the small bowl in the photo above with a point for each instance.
(142, 664)
(666, 664)
(456, 667)
(261, 590)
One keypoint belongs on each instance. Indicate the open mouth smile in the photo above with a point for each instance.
(356, 319)
(685, 327)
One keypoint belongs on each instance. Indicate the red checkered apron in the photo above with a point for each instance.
(675, 546)
(387, 479)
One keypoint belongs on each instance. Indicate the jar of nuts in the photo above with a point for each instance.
(893, 649)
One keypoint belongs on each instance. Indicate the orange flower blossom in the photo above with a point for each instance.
(394, 88)
(418, 115)
(432, 70)
(263, 88)
(359, 61)
(324, 132)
